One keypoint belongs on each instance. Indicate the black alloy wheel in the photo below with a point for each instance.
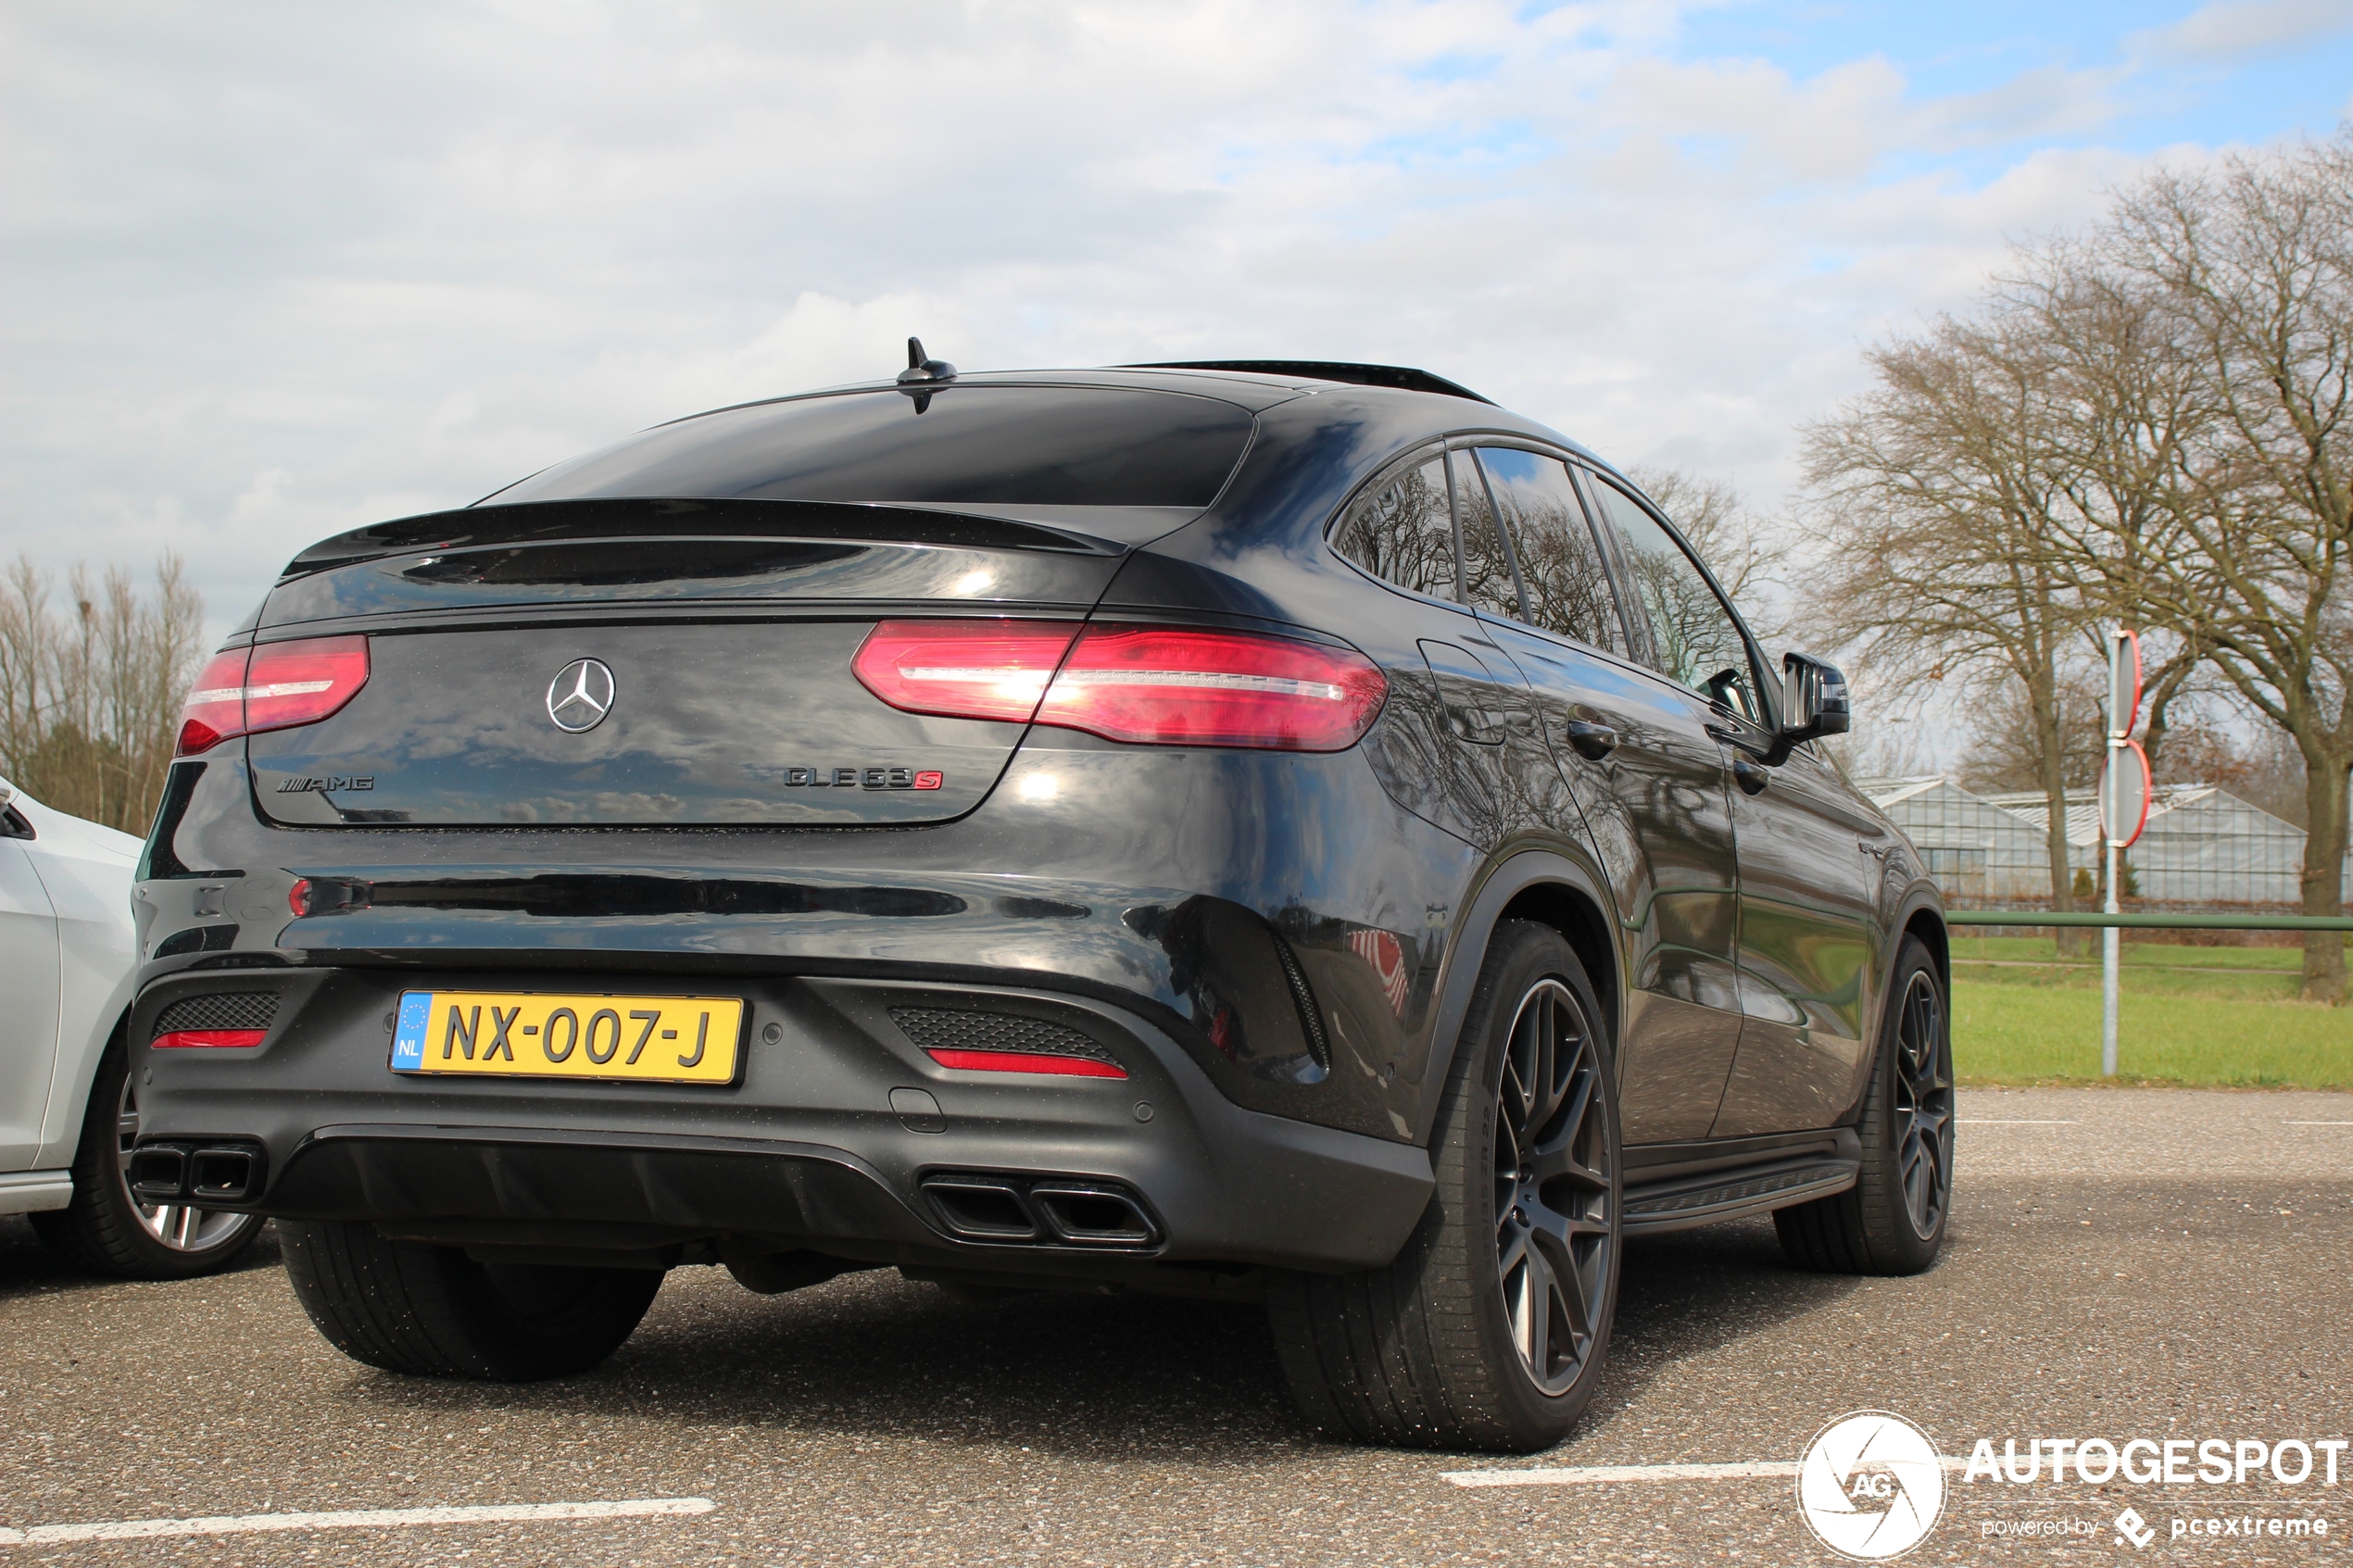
(1491, 1328)
(1924, 1105)
(1893, 1220)
(1554, 1226)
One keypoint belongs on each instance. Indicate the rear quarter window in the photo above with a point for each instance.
(1403, 531)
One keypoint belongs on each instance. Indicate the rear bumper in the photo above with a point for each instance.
(1275, 914)
(806, 1149)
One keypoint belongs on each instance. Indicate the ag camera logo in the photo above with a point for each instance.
(1870, 1485)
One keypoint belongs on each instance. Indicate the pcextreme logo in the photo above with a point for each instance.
(1870, 1485)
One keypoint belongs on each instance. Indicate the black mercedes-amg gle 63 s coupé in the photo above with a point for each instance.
(1287, 831)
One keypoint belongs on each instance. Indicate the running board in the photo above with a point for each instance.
(1722, 1195)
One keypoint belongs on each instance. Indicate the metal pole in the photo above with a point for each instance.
(2111, 941)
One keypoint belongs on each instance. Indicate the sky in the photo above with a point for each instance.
(271, 272)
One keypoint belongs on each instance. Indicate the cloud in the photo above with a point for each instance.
(268, 272)
(2222, 29)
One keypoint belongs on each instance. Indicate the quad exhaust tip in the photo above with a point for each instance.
(1041, 1211)
(196, 1173)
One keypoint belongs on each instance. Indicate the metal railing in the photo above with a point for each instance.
(2156, 922)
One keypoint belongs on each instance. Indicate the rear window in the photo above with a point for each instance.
(1022, 446)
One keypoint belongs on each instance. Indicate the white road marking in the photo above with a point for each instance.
(2003, 1121)
(1587, 1474)
(352, 1519)
(1595, 1475)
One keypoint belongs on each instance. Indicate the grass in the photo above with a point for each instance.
(2030, 1018)
(2135, 955)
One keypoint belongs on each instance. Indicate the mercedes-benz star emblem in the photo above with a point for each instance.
(580, 696)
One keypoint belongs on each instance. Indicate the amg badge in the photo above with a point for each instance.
(332, 782)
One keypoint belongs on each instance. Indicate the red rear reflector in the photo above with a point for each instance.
(274, 686)
(179, 1039)
(963, 668)
(1027, 1062)
(1169, 685)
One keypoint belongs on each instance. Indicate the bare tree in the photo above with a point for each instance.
(2122, 410)
(1934, 493)
(90, 699)
(1734, 542)
(2004, 751)
(2252, 269)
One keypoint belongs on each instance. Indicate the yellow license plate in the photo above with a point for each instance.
(534, 1034)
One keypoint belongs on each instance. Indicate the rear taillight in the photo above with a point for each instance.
(1168, 685)
(274, 686)
(1159, 685)
(215, 708)
(963, 668)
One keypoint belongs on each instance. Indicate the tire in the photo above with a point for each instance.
(1427, 1351)
(431, 1311)
(1891, 1221)
(106, 1231)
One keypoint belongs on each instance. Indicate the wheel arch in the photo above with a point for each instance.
(1921, 915)
(1550, 889)
(1926, 922)
(72, 1078)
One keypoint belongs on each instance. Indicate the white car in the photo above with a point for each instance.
(69, 1112)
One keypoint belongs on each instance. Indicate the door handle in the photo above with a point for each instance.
(1750, 777)
(1590, 741)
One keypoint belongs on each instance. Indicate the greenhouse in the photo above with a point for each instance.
(1974, 848)
(2203, 847)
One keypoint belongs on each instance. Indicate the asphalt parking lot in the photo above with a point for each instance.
(2122, 1263)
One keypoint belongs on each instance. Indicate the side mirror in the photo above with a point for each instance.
(1814, 703)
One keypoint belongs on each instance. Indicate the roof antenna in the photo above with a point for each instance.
(922, 373)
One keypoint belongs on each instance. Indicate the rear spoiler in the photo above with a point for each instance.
(654, 518)
(1402, 378)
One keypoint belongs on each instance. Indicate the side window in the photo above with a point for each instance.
(1694, 636)
(1560, 562)
(1487, 570)
(1403, 532)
